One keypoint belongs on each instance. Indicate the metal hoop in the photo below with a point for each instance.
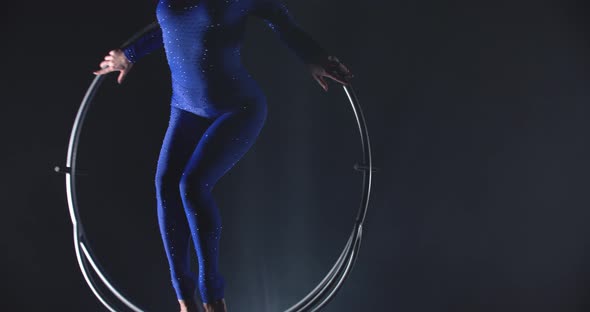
(316, 299)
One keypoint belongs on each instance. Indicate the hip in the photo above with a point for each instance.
(211, 101)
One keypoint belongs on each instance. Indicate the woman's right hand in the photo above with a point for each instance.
(333, 69)
(115, 61)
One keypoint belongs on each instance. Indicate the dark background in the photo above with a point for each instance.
(478, 116)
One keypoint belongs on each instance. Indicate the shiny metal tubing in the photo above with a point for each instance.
(79, 246)
(321, 295)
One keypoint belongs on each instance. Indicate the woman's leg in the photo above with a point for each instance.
(182, 136)
(227, 139)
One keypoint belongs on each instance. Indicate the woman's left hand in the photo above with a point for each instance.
(333, 69)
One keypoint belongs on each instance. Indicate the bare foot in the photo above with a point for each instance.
(216, 306)
(188, 306)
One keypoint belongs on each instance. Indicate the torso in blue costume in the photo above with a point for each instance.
(202, 40)
(217, 112)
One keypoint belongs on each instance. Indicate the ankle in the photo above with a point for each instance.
(188, 305)
(215, 306)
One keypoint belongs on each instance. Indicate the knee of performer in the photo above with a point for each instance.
(166, 180)
(193, 185)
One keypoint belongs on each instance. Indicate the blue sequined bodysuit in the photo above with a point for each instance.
(217, 112)
(202, 40)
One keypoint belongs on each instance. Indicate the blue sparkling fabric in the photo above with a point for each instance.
(217, 112)
(202, 40)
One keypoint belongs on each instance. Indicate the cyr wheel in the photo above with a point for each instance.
(316, 298)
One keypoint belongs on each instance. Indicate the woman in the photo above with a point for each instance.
(217, 112)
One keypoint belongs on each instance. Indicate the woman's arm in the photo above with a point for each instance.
(320, 63)
(278, 18)
(123, 60)
(144, 45)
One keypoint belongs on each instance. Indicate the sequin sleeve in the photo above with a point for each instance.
(144, 45)
(278, 18)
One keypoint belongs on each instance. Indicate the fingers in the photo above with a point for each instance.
(341, 75)
(103, 71)
(121, 77)
(114, 61)
(332, 58)
(104, 64)
(343, 69)
(321, 81)
(337, 78)
(337, 71)
(123, 73)
(106, 67)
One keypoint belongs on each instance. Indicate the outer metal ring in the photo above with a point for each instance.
(314, 301)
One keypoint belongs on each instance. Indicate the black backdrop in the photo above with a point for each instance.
(478, 115)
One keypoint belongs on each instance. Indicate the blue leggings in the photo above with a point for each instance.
(196, 152)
